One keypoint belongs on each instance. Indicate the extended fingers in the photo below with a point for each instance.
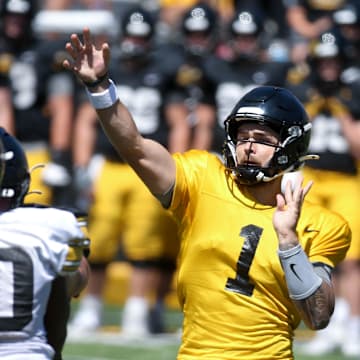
(106, 53)
(70, 50)
(87, 39)
(75, 45)
(300, 192)
(75, 42)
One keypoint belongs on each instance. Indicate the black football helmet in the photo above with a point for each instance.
(26, 8)
(329, 44)
(16, 19)
(16, 180)
(348, 14)
(198, 28)
(246, 26)
(246, 22)
(280, 110)
(137, 27)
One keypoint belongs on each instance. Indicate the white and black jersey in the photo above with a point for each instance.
(33, 249)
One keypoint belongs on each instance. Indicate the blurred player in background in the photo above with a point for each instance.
(124, 215)
(347, 20)
(307, 20)
(194, 87)
(331, 97)
(41, 99)
(41, 264)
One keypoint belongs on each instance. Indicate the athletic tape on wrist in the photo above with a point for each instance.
(301, 279)
(92, 84)
(104, 99)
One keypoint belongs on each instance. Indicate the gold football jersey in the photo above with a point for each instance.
(230, 282)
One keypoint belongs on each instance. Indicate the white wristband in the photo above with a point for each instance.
(301, 279)
(104, 99)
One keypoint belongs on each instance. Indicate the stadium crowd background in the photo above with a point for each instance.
(249, 43)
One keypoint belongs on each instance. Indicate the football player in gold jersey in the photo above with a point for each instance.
(254, 260)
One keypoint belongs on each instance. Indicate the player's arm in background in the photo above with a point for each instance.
(58, 308)
(71, 281)
(60, 89)
(7, 117)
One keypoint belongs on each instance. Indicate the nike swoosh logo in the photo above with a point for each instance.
(292, 267)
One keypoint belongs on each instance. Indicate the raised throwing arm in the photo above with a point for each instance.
(151, 161)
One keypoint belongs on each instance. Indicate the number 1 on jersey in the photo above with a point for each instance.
(241, 283)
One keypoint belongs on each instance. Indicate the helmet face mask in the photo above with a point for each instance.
(134, 48)
(279, 110)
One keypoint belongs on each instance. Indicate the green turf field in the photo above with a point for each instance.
(109, 345)
(164, 352)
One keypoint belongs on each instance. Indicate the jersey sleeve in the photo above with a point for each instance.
(66, 229)
(327, 237)
(189, 169)
(56, 231)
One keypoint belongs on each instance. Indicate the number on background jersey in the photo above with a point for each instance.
(16, 289)
(326, 135)
(24, 83)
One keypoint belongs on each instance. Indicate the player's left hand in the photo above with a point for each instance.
(287, 213)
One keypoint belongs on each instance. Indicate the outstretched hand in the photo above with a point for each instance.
(287, 213)
(86, 61)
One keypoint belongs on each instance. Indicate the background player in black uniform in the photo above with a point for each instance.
(41, 99)
(199, 31)
(347, 20)
(307, 19)
(331, 99)
(247, 66)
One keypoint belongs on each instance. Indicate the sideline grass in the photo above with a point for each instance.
(163, 352)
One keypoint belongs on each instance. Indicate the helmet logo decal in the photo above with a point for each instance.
(137, 25)
(244, 24)
(327, 47)
(7, 193)
(282, 160)
(295, 131)
(8, 155)
(197, 21)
